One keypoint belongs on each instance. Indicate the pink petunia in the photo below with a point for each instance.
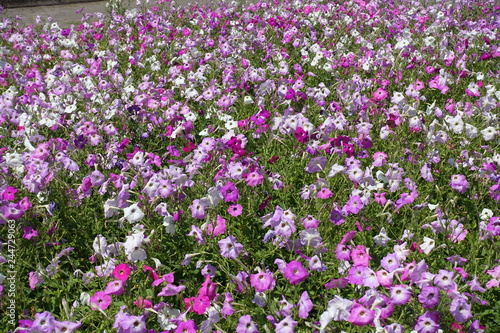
(122, 272)
(325, 193)
(235, 210)
(101, 300)
(9, 193)
(254, 178)
(295, 272)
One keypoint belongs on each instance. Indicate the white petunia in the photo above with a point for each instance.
(488, 133)
(133, 213)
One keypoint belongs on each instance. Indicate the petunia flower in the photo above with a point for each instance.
(188, 326)
(229, 248)
(262, 281)
(9, 193)
(360, 316)
(246, 325)
(254, 178)
(305, 305)
(122, 272)
(101, 300)
(235, 210)
(324, 193)
(230, 192)
(427, 323)
(133, 213)
(115, 287)
(295, 272)
(459, 183)
(400, 294)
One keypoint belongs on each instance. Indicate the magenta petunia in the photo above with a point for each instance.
(9, 193)
(101, 300)
(122, 272)
(262, 281)
(380, 94)
(295, 272)
(230, 192)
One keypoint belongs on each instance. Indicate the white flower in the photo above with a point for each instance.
(471, 131)
(336, 168)
(13, 159)
(381, 239)
(486, 214)
(401, 252)
(247, 100)
(428, 245)
(456, 124)
(165, 317)
(133, 213)
(489, 133)
(231, 124)
(133, 248)
(169, 224)
(191, 116)
(204, 132)
(85, 298)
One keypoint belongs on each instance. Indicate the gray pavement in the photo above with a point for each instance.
(67, 14)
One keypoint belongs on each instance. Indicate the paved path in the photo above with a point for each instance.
(69, 14)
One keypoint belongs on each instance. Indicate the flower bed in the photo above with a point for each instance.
(269, 167)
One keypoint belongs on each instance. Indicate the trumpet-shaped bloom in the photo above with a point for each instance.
(101, 300)
(295, 272)
(246, 325)
(361, 316)
(229, 248)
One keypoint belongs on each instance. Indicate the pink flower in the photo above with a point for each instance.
(361, 316)
(235, 210)
(208, 288)
(360, 257)
(400, 294)
(254, 178)
(380, 94)
(143, 303)
(262, 281)
(35, 279)
(295, 272)
(200, 304)
(379, 158)
(186, 327)
(101, 300)
(122, 272)
(324, 193)
(9, 193)
(219, 229)
(305, 305)
(115, 287)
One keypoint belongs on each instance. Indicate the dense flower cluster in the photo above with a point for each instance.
(274, 166)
